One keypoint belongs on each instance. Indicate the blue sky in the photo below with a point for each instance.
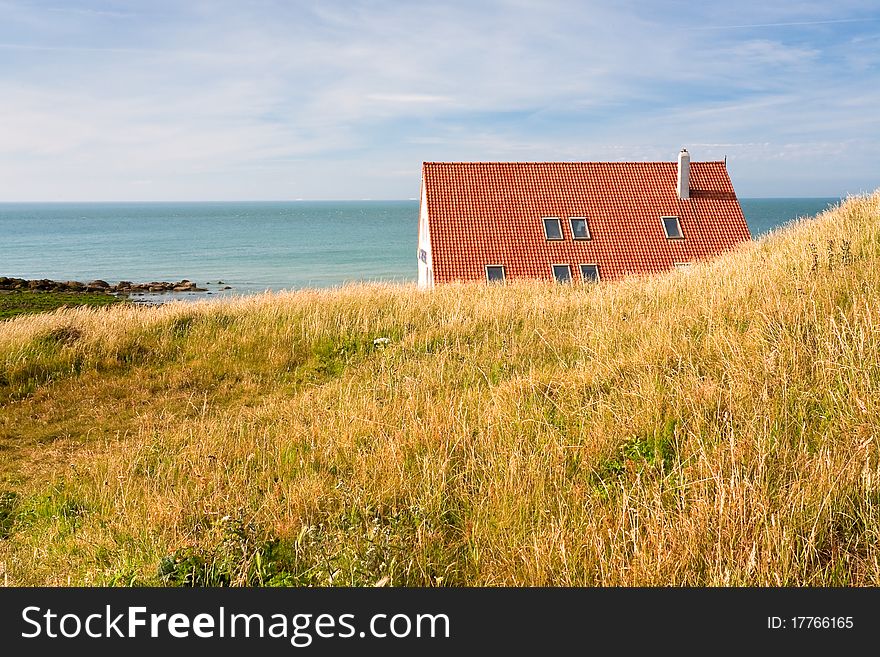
(334, 100)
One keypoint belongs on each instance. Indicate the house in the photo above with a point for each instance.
(572, 221)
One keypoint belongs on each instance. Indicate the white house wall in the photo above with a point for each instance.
(426, 263)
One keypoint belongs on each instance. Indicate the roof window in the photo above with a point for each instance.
(562, 273)
(672, 228)
(495, 273)
(580, 230)
(552, 228)
(590, 273)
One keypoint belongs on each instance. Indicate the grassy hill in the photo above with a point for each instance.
(718, 426)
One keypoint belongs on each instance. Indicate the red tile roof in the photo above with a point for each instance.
(489, 213)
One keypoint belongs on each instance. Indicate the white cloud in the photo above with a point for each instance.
(406, 98)
(228, 100)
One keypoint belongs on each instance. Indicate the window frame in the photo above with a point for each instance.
(553, 267)
(503, 273)
(663, 219)
(559, 223)
(586, 221)
(584, 279)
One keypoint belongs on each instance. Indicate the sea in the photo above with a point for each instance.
(248, 247)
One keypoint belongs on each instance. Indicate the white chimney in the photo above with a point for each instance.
(684, 174)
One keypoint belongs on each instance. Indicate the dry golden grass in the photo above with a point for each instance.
(711, 427)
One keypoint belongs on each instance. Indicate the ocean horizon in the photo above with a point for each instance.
(249, 246)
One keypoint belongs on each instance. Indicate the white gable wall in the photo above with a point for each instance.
(426, 263)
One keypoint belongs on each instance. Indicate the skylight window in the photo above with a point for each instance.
(562, 273)
(553, 228)
(580, 230)
(672, 228)
(495, 273)
(590, 273)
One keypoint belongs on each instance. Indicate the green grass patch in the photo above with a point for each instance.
(643, 453)
(9, 501)
(18, 302)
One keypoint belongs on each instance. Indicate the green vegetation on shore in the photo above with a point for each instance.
(24, 302)
(714, 426)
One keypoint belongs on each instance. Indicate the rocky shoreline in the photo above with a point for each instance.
(99, 286)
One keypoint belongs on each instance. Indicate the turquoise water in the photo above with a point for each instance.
(249, 246)
(765, 214)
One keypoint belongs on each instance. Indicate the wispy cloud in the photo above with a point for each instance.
(86, 49)
(88, 11)
(408, 98)
(750, 26)
(335, 100)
